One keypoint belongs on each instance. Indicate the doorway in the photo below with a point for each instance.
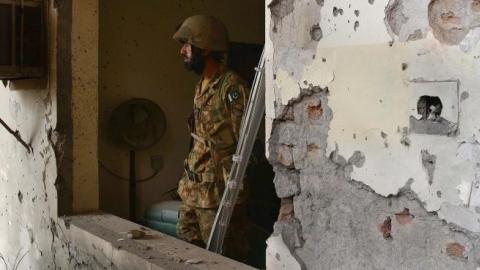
(139, 59)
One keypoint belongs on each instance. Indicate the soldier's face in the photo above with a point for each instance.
(192, 58)
(186, 52)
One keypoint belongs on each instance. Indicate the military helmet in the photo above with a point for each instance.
(204, 32)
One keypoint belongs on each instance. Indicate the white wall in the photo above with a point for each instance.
(371, 94)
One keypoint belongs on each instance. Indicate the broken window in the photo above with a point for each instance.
(22, 39)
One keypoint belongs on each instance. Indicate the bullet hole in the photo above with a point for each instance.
(274, 76)
(464, 95)
(277, 256)
(380, 100)
(416, 35)
(405, 140)
(315, 111)
(313, 56)
(316, 32)
(337, 11)
(356, 25)
(428, 163)
(386, 228)
(404, 66)
(356, 12)
(357, 159)
(312, 147)
(31, 235)
(354, 136)
(320, 2)
(404, 217)
(371, 2)
(20, 196)
(455, 250)
(475, 5)
(383, 134)
(439, 194)
(324, 60)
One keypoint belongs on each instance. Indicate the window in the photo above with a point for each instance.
(22, 39)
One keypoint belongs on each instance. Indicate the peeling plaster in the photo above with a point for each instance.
(452, 20)
(325, 218)
(279, 256)
(372, 88)
(286, 86)
(407, 20)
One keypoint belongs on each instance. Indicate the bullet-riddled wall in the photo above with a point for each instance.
(374, 133)
(58, 175)
(139, 59)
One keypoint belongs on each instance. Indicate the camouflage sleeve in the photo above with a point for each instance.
(236, 97)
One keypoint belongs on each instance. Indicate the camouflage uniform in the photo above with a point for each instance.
(214, 127)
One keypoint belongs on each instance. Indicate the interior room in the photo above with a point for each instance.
(138, 59)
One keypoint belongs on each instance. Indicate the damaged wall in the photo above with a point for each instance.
(33, 235)
(139, 59)
(373, 132)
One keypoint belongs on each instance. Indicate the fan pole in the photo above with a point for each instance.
(133, 187)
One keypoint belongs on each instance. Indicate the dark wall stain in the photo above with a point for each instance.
(356, 25)
(428, 162)
(64, 127)
(316, 32)
(386, 228)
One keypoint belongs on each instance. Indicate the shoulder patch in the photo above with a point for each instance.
(233, 95)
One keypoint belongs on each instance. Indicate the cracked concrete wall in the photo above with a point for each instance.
(372, 129)
(32, 233)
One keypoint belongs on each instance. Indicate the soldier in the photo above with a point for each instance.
(220, 99)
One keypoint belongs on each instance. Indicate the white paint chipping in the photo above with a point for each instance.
(288, 87)
(279, 256)
(374, 87)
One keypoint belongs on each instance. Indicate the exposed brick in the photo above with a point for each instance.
(314, 110)
(386, 228)
(455, 250)
(404, 217)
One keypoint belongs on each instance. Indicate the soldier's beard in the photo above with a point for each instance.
(196, 63)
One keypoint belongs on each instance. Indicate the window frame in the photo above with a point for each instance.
(17, 70)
